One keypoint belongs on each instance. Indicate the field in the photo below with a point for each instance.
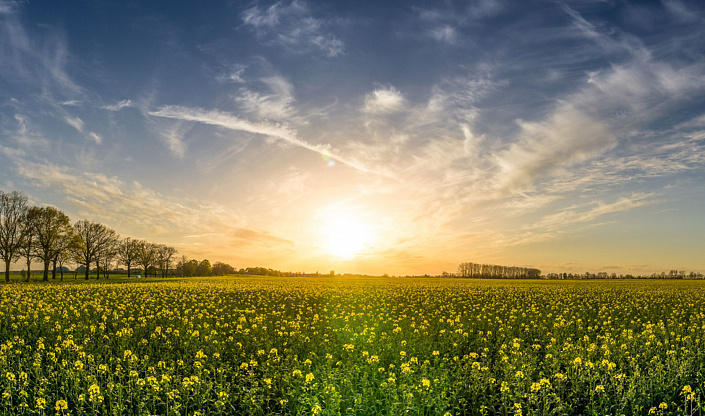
(328, 346)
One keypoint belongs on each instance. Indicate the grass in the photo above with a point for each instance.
(265, 345)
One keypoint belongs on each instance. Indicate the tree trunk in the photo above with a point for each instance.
(29, 268)
(53, 270)
(88, 263)
(7, 271)
(128, 269)
(45, 278)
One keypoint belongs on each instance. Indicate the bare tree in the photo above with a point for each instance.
(146, 255)
(13, 207)
(65, 246)
(164, 255)
(48, 225)
(107, 255)
(93, 237)
(181, 265)
(127, 252)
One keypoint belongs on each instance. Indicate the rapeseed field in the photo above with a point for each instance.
(363, 346)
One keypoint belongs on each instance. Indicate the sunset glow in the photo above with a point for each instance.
(367, 137)
(345, 236)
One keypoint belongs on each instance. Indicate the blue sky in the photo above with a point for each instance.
(398, 137)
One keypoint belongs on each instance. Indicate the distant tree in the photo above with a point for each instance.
(191, 267)
(164, 256)
(66, 245)
(28, 246)
(204, 268)
(48, 226)
(107, 255)
(13, 207)
(127, 251)
(93, 237)
(221, 269)
(180, 263)
(146, 255)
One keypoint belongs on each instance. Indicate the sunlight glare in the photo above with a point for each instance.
(345, 235)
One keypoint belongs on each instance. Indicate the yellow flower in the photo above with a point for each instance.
(40, 403)
(61, 405)
(309, 377)
(425, 382)
(599, 388)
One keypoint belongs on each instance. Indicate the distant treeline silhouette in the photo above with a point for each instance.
(493, 271)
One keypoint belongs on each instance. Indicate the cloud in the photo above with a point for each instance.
(611, 42)
(8, 7)
(383, 100)
(235, 75)
(173, 139)
(98, 139)
(24, 136)
(217, 118)
(445, 34)
(568, 136)
(118, 202)
(294, 27)
(39, 62)
(254, 236)
(486, 8)
(560, 221)
(118, 106)
(277, 105)
(74, 122)
(694, 123)
(681, 12)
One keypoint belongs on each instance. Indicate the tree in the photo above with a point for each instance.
(93, 238)
(204, 268)
(47, 225)
(191, 267)
(127, 251)
(181, 265)
(221, 269)
(146, 255)
(106, 256)
(13, 207)
(66, 245)
(27, 248)
(164, 255)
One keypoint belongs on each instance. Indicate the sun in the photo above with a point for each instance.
(345, 235)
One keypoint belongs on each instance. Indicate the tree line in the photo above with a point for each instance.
(493, 271)
(45, 234)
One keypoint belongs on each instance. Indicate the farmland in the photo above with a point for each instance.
(246, 345)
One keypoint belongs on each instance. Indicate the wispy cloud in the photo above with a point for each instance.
(383, 100)
(274, 105)
(75, 122)
(568, 136)
(119, 105)
(287, 135)
(141, 211)
(97, 137)
(235, 74)
(24, 136)
(293, 26)
(445, 34)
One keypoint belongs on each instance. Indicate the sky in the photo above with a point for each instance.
(399, 137)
